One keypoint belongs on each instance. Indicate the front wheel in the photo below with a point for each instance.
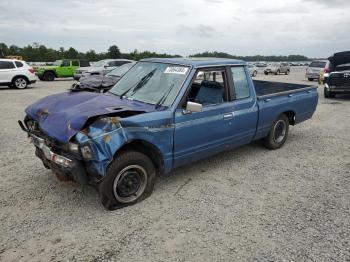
(278, 133)
(328, 94)
(130, 179)
(20, 82)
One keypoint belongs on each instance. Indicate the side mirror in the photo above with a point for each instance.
(193, 107)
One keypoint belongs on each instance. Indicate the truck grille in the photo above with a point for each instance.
(339, 79)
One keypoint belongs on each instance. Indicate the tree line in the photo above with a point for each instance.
(272, 58)
(40, 53)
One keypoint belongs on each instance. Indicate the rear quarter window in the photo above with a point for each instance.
(6, 65)
(19, 64)
(240, 82)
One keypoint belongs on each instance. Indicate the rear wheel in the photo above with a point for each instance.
(130, 179)
(287, 72)
(278, 133)
(49, 76)
(20, 82)
(328, 94)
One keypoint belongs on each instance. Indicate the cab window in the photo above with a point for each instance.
(208, 87)
(240, 83)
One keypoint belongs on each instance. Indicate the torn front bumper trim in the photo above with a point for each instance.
(56, 158)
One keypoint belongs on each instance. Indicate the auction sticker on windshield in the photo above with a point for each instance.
(176, 70)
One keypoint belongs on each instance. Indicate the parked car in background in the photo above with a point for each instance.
(277, 68)
(253, 71)
(60, 68)
(260, 64)
(314, 70)
(16, 73)
(101, 67)
(101, 83)
(158, 117)
(337, 79)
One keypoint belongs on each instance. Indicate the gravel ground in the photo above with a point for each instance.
(248, 204)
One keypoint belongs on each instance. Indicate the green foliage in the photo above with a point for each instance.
(254, 58)
(114, 52)
(40, 53)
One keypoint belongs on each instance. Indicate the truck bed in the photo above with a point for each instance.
(265, 88)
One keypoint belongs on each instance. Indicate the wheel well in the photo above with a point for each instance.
(26, 78)
(291, 117)
(149, 150)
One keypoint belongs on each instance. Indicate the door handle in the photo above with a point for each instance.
(228, 115)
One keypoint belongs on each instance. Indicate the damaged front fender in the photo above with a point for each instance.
(100, 141)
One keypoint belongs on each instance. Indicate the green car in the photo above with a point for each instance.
(60, 68)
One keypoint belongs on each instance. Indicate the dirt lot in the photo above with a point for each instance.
(248, 204)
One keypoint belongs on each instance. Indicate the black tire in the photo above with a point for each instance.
(129, 180)
(310, 79)
(278, 133)
(49, 76)
(20, 82)
(328, 94)
(287, 72)
(265, 73)
(255, 73)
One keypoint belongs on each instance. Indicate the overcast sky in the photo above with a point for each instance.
(315, 28)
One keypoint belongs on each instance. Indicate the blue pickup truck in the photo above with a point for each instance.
(162, 114)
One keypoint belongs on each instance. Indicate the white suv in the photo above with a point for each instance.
(16, 73)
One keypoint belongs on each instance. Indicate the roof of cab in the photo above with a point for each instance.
(196, 62)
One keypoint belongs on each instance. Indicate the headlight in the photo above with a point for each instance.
(74, 148)
(86, 152)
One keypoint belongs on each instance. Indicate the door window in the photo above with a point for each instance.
(65, 63)
(75, 63)
(208, 87)
(240, 82)
(6, 65)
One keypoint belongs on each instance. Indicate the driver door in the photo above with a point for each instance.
(201, 134)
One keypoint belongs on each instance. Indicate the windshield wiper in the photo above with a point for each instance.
(162, 99)
(139, 84)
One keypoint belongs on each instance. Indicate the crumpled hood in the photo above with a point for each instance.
(61, 116)
(96, 81)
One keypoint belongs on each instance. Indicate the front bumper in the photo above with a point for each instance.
(60, 164)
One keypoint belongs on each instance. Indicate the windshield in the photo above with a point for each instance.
(100, 63)
(120, 71)
(57, 63)
(153, 83)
